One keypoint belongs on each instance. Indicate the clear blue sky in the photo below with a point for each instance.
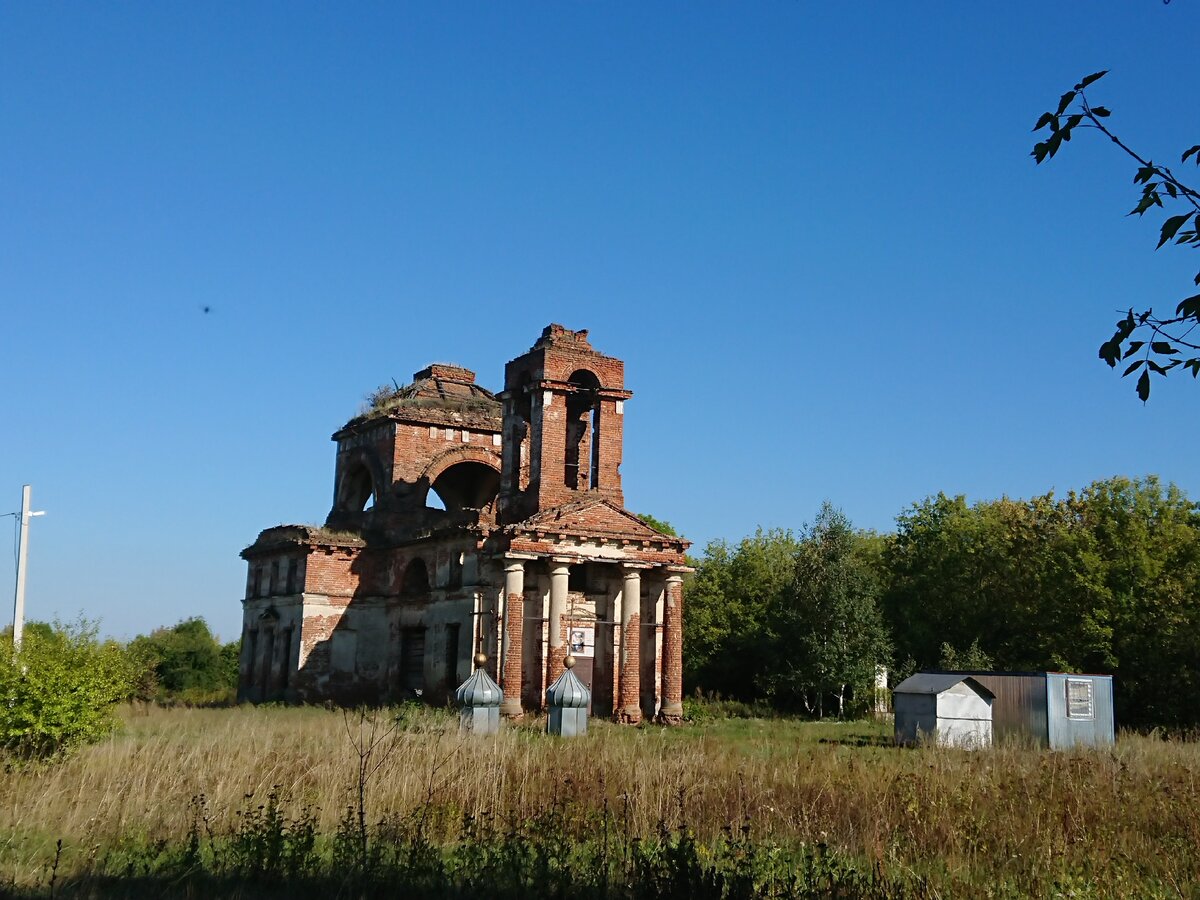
(813, 231)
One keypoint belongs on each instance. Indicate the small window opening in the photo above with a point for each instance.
(416, 579)
(292, 569)
(273, 582)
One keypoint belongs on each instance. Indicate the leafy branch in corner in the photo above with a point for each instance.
(1162, 340)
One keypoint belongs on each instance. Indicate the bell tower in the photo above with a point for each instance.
(563, 422)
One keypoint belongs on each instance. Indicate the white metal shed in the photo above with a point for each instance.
(954, 710)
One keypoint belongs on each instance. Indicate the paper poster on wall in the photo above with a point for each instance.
(581, 641)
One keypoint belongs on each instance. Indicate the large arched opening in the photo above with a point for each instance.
(465, 485)
(356, 488)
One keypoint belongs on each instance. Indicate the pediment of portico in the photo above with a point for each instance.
(597, 522)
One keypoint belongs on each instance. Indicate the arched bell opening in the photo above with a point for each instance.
(581, 470)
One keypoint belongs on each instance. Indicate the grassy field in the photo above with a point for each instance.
(251, 801)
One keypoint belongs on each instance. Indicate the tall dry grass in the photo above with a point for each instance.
(1123, 816)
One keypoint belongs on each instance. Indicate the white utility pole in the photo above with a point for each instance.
(22, 555)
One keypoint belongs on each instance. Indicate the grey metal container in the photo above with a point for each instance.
(1079, 710)
(479, 701)
(953, 710)
(1037, 707)
(568, 700)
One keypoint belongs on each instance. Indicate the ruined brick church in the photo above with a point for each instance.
(466, 521)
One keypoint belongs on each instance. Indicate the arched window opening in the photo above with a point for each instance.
(357, 490)
(416, 579)
(465, 485)
(582, 463)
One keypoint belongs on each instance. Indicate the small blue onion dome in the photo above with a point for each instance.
(478, 690)
(568, 692)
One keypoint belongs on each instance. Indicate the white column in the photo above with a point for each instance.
(560, 574)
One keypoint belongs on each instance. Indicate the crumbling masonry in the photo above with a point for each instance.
(529, 555)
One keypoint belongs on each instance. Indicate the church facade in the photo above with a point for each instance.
(468, 522)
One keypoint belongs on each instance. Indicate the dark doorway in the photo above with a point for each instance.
(602, 671)
(532, 667)
(412, 662)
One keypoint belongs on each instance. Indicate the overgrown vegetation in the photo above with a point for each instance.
(187, 664)
(1105, 580)
(262, 802)
(59, 690)
(791, 619)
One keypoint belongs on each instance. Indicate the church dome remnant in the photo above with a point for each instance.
(467, 521)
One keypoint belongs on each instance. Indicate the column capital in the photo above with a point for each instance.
(516, 556)
(674, 578)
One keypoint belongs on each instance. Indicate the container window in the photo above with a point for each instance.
(1080, 703)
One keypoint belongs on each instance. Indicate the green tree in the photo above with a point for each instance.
(60, 691)
(726, 604)
(971, 658)
(658, 524)
(1160, 338)
(189, 663)
(989, 575)
(1106, 580)
(827, 632)
(1146, 536)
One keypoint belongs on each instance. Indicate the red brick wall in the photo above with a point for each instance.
(332, 571)
(514, 624)
(629, 699)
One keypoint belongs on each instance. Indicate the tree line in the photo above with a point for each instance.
(1104, 580)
